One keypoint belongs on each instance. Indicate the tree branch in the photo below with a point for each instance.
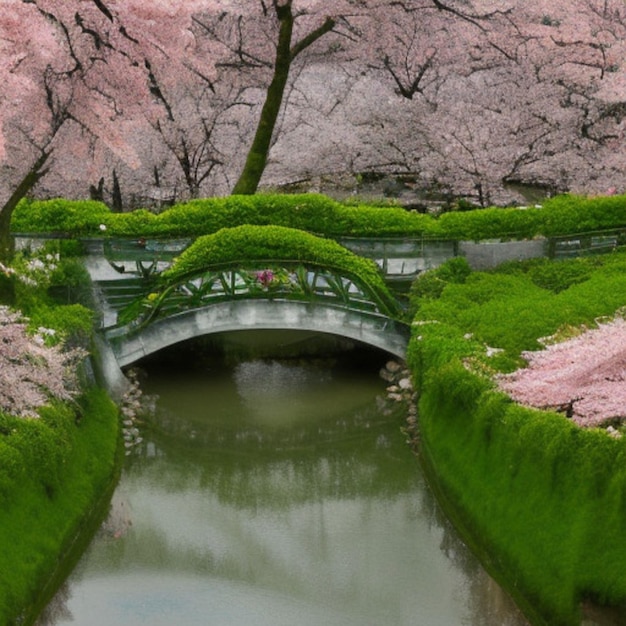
(312, 37)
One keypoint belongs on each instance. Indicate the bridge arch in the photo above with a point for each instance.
(369, 328)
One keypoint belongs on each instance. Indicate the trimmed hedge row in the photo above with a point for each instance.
(543, 500)
(320, 214)
(246, 244)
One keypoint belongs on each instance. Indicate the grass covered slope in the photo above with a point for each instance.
(39, 520)
(59, 444)
(543, 500)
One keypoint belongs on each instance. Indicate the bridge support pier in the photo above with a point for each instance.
(107, 370)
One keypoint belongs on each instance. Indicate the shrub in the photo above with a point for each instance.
(577, 214)
(72, 323)
(430, 285)
(70, 282)
(44, 450)
(491, 223)
(501, 308)
(552, 276)
(54, 292)
(322, 215)
(76, 217)
(246, 244)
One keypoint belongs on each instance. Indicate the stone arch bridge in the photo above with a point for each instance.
(140, 316)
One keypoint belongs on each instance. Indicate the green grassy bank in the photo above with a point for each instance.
(541, 500)
(57, 470)
(55, 479)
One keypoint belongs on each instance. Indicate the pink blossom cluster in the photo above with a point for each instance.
(585, 377)
(32, 374)
(467, 93)
(266, 278)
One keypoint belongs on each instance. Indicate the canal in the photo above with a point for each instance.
(275, 492)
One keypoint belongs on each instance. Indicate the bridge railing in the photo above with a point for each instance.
(272, 279)
(590, 242)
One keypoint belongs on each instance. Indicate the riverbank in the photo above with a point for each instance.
(525, 485)
(45, 533)
(60, 449)
(540, 499)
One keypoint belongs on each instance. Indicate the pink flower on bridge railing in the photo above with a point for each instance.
(277, 279)
(265, 278)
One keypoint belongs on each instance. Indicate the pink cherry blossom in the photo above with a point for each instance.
(585, 377)
(463, 94)
(32, 374)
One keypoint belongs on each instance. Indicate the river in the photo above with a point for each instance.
(275, 492)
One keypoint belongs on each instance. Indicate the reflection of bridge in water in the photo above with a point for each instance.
(141, 314)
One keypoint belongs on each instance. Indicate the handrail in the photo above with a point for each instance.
(298, 285)
(390, 304)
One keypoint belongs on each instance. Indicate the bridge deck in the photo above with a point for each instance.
(130, 345)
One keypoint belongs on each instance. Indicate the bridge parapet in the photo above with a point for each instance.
(129, 345)
(282, 280)
(399, 258)
(277, 295)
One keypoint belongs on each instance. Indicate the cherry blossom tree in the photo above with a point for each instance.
(575, 50)
(290, 28)
(20, 61)
(73, 75)
(583, 377)
(201, 133)
(32, 373)
(505, 92)
(411, 44)
(464, 94)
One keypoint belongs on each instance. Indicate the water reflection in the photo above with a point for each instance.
(277, 493)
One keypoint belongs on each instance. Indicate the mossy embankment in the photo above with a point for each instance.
(56, 477)
(58, 469)
(540, 499)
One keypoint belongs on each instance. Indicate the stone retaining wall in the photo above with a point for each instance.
(487, 254)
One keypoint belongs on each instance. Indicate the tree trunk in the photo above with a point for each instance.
(257, 156)
(116, 195)
(7, 244)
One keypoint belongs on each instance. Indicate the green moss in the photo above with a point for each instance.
(512, 308)
(249, 244)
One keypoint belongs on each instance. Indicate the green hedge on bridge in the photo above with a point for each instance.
(247, 244)
(320, 214)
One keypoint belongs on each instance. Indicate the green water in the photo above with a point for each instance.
(275, 493)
